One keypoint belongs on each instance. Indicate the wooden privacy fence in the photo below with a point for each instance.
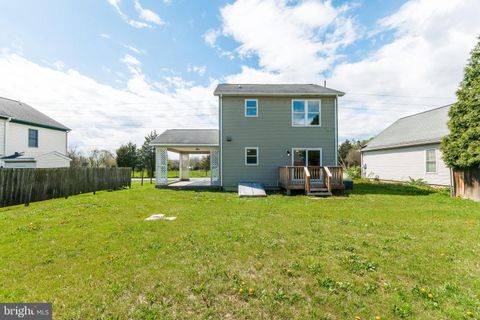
(466, 183)
(19, 186)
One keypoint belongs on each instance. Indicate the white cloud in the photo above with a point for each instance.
(133, 49)
(101, 115)
(200, 70)
(293, 41)
(131, 22)
(210, 37)
(130, 60)
(147, 15)
(105, 35)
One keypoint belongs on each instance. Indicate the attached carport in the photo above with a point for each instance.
(185, 142)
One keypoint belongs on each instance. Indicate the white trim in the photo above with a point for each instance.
(436, 161)
(305, 112)
(258, 157)
(306, 154)
(256, 108)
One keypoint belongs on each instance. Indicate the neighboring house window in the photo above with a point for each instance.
(431, 160)
(251, 156)
(307, 157)
(306, 113)
(32, 138)
(251, 108)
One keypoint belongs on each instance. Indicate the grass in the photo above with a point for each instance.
(176, 174)
(385, 250)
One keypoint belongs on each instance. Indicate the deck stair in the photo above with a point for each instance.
(319, 192)
(319, 181)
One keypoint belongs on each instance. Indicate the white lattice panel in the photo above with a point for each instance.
(215, 167)
(161, 165)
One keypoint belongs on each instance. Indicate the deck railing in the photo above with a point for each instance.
(307, 177)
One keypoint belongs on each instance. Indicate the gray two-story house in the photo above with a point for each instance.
(279, 135)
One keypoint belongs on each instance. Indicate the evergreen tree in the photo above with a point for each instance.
(461, 148)
(147, 153)
(127, 156)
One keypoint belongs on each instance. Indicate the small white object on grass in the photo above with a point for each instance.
(160, 217)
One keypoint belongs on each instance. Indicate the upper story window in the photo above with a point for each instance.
(306, 113)
(431, 160)
(251, 108)
(32, 138)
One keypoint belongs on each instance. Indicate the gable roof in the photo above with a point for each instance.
(23, 113)
(421, 128)
(274, 89)
(187, 137)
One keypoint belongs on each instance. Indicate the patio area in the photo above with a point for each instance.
(186, 142)
(192, 184)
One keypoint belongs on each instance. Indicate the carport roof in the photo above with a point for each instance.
(187, 137)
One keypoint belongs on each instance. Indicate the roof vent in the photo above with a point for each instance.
(239, 86)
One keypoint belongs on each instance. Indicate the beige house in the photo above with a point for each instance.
(278, 135)
(29, 138)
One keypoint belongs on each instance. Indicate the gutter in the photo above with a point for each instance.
(266, 94)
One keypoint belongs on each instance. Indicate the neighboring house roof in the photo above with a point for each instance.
(187, 137)
(19, 157)
(23, 113)
(274, 89)
(421, 128)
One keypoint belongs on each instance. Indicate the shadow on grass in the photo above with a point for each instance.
(390, 189)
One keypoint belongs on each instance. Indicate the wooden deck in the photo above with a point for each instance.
(314, 180)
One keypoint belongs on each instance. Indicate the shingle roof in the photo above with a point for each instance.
(20, 111)
(274, 89)
(187, 137)
(422, 128)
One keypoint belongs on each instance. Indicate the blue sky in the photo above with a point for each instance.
(69, 31)
(95, 65)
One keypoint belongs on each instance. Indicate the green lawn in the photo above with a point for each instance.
(381, 251)
(176, 174)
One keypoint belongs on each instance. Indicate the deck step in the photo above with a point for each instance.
(319, 194)
(318, 189)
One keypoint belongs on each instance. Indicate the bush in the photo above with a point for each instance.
(354, 172)
(416, 182)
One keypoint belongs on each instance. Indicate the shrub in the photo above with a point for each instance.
(354, 172)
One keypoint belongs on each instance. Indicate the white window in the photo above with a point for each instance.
(251, 108)
(306, 113)
(251, 156)
(307, 157)
(431, 161)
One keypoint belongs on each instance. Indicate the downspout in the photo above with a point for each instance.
(220, 102)
(336, 131)
(5, 135)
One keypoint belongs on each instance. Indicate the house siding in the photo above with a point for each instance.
(52, 161)
(48, 140)
(272, 132)
(399, 164)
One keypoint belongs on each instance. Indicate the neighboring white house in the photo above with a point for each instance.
(410, 148)
(29, 138)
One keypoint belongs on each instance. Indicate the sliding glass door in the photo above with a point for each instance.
(307, 157)
(310, 157)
